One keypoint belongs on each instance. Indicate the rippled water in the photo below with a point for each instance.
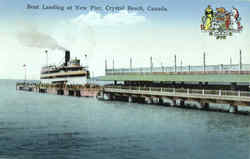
(41, 126)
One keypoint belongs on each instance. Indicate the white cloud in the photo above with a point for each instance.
(113, 19)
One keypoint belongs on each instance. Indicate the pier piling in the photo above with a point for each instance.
(148, 100)
(233, 109)
(60, 92)
(130, 99)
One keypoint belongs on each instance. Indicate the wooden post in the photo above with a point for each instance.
(181, 65)
(106, 66)
(130, 99)
(174, 102)
(233, 108)
(151, 64)
(175, 67)
(130, 64)
(162, 68)
(222, 67)
(148, 100)
(113, 67)
(240, 61)
(204, 62)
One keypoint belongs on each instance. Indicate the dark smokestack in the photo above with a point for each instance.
(67, 57)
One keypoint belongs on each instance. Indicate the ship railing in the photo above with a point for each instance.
(186, 91)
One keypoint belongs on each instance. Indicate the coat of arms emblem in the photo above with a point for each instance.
(221, 22)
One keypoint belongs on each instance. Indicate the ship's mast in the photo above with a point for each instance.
(47, 58)
(25, 72)
(86, 60)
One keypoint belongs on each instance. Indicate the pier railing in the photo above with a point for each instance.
(230, 68)
(203, 92)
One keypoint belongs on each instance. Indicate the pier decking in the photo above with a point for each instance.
(67, 90)
(204, 97)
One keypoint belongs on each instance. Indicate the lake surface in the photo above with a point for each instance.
(43, 126)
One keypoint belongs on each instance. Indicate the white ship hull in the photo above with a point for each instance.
(67, 80)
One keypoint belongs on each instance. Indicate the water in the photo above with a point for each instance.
(42, 126)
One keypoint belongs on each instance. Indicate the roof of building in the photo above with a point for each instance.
(182, 77)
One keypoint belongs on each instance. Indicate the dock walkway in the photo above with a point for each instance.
(204, 97)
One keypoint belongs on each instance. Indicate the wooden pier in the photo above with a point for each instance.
(206, 85)
(60, 89)
(170, 96)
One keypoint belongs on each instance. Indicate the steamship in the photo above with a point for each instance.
(70, 72)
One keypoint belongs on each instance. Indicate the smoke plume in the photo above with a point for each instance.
(34, 38)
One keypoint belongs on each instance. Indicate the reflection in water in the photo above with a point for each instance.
(228, 122)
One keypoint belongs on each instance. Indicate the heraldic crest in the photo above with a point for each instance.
(221, 22)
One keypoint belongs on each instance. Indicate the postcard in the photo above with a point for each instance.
(122, 79)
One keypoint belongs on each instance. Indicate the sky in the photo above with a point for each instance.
(120, 34)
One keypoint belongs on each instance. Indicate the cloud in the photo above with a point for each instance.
(113, 19)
